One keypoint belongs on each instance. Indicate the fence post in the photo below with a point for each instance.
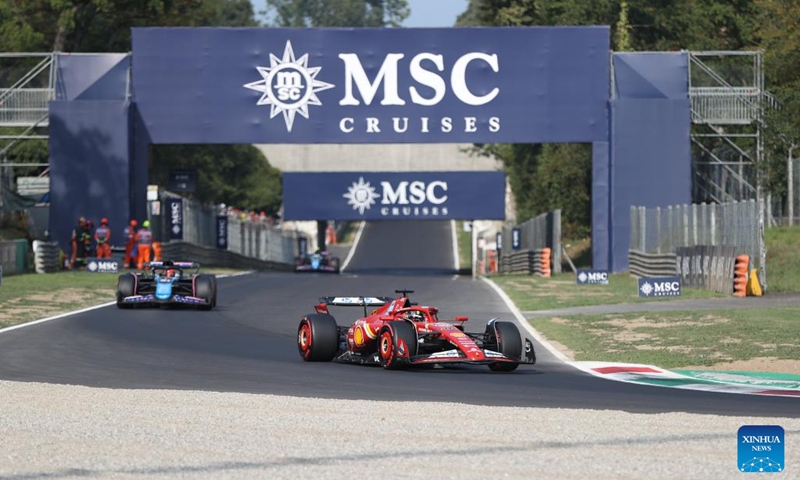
(557, 241)
(670, 229)
(713, 224)
(686, 225)
(643, 230)
(694, 225)
(704, 221)
(658, 229)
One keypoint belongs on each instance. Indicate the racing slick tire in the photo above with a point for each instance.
(214, 289)
(397, 343)
(205, 287)
(126, 287)
(509, 343)
(318, 338)
(336, 264)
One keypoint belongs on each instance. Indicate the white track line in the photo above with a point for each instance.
(526, 324)
(56, 317)
(456, 265)
(353, 248)
(89, 309)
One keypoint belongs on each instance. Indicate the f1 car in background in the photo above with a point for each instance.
(399, 334)
(320, 261)
(167, 283)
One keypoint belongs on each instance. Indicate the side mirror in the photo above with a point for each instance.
(462, 319)
(387, 318)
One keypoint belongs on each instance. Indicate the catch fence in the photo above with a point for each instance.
(247, 235)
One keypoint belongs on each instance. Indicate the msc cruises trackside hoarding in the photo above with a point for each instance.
(394, 196)
(457, 85)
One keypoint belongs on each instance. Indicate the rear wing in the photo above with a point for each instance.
(364, 302)
(355, 301)
(169, 263)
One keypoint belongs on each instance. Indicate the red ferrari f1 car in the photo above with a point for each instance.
(400, 334)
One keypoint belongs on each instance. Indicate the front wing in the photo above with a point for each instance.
(151, 300)
(452, 356)
(321, 268)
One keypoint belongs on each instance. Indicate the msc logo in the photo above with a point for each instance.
(592, 277)
(659, 287)
(102, 266)
(289, 86)
(403, 199)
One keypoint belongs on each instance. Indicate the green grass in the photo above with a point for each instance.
(348, 233)
(783, 259)
(464, 240)
(679, 339)
(561, 291)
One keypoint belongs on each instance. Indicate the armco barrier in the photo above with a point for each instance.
(651, 265)
(214, 257)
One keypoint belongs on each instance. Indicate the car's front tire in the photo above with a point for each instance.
(205, 288)
(397, 343)
(509, 343)
(126, 287)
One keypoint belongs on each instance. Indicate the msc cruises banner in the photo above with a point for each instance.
(399, 85)
(394, 196)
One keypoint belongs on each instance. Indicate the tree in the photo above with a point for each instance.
(236, 175)
(781, 43)
(342, 13)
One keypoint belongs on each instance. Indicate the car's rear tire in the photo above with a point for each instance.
(126, 287)
(509, 343)
(397, 343)
(214, 288)
(204, 287)
(318, 338)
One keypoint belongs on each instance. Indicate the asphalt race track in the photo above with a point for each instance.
(247, 344)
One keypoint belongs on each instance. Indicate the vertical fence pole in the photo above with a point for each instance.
(685, 225)
(643, 230)
(658, 229)
(694, 225)
(713, 224)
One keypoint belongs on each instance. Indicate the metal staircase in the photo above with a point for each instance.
(27, 84)
(726, 90)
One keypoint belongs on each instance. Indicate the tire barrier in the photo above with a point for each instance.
(45, 257)
(740, 270)
(544, 260)
(652, 264)
(527, 261)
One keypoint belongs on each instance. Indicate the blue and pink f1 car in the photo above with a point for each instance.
(321, 261)
(167, 283)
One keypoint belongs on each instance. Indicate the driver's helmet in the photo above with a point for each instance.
(415, 316)
(169, 273)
